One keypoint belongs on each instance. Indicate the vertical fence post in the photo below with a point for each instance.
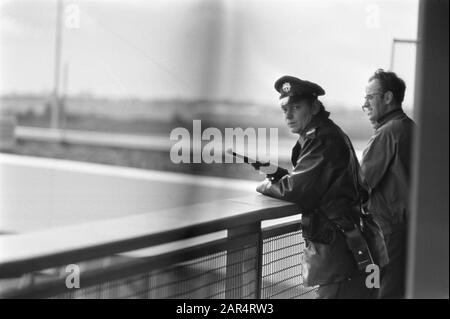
(243, 262)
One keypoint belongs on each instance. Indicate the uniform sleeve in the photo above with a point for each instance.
(377, 158)
(301, 184)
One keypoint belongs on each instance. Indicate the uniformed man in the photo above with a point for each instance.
(386, 166)
(324, 184)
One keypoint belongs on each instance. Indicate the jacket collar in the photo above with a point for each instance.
(388, 117)
(310, 129)
(315, 122)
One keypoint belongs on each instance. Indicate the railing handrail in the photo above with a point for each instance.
(38, 250)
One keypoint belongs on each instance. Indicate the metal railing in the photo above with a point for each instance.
(220, 250)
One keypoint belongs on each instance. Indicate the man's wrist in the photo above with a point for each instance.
(262, 187)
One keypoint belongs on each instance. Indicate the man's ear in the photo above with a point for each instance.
(388, 97)
(315, 108)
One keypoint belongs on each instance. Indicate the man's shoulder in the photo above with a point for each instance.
(330, 130)
(331, 136)
(397, 126)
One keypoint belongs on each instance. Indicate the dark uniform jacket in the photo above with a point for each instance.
(322, 183)
(385, 167)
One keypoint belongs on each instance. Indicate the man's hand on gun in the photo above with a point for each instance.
(258, 165)
(278, 174)
(272, 172)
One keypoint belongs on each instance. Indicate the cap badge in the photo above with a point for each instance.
(286, 87)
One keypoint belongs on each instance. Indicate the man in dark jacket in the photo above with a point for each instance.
(386, 169)
(324, 184)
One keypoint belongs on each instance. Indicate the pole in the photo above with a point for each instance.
(395, 41)
(58, 41)
(63, 98)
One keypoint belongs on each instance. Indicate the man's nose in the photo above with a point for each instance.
(288, 115)
(366, 106)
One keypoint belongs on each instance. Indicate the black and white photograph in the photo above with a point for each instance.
(224, 154)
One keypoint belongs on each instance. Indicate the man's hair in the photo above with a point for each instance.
(319, 104)
(312, 101)
(389, 81)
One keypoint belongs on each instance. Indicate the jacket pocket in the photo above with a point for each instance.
(327, 263)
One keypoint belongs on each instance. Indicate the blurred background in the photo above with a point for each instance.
(84, 83)
(138, 69)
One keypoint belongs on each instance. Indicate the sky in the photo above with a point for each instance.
(232, 50)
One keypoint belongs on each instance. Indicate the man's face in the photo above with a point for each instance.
(297, 115)
(374, 106)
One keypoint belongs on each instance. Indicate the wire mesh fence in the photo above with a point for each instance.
(270, 267)
(202, 278)
(282, 276)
